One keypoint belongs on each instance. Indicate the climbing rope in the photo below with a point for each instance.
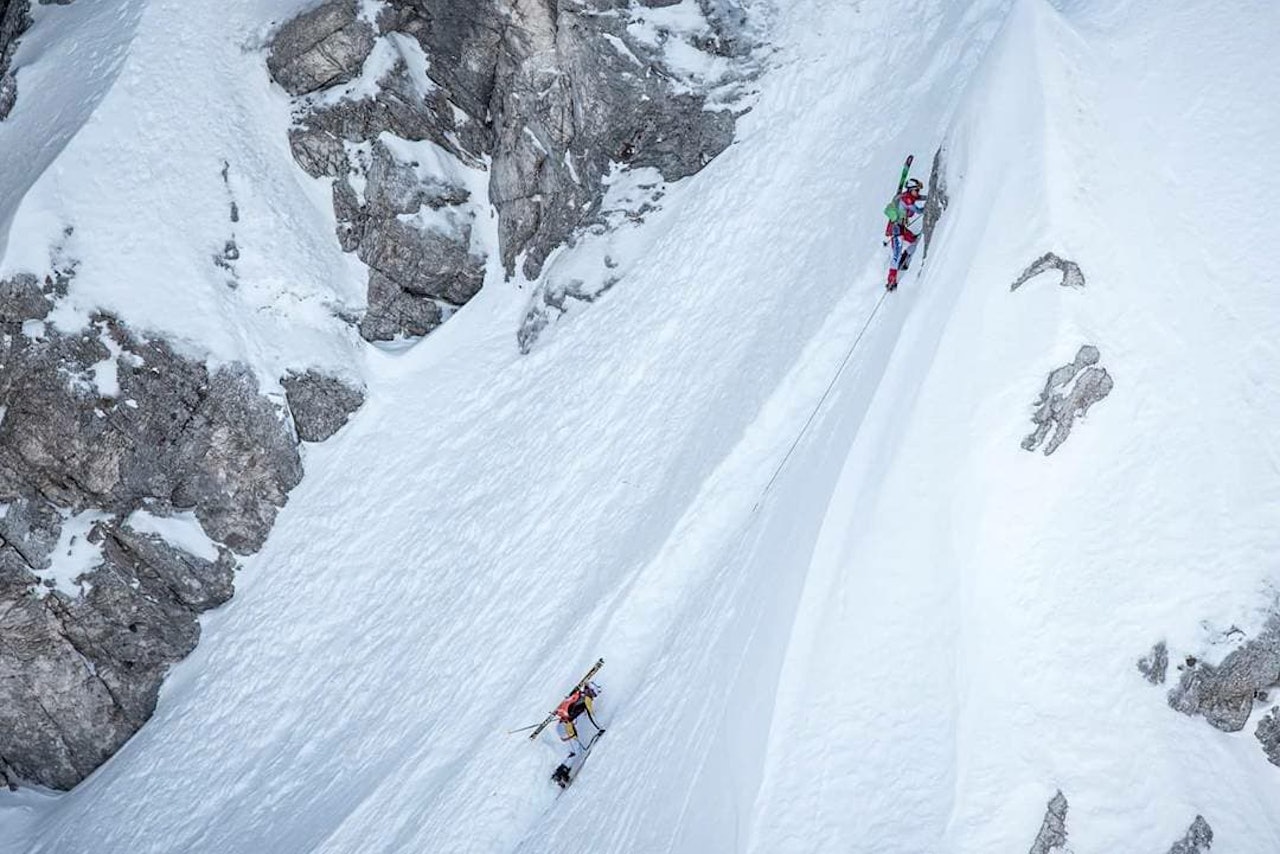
(821, 401)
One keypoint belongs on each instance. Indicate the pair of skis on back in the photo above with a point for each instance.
(564, 775)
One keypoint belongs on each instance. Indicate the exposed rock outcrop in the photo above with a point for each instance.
(86, 427)
(320, 48)
(15, 17)
(1056, 411)
(1225, 694)
(937, 200)
(1052, 838)
(1197, 840)
(1072, 277)
(1155, 664)
(320, 404)
(554, 95)
(99, 430)
(1268, 735)
(80, 673)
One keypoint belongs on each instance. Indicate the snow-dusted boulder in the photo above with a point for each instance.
(320, 48)
(1072, 277)
(320, 404)
(1057, 411)
(1225, 694)
(1197, 840)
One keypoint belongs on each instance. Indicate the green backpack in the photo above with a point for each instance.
(892, 211)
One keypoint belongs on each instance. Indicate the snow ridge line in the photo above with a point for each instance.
(764, 493)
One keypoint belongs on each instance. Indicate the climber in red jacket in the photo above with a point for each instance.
(904, 207)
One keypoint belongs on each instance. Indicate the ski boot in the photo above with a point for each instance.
(561, 776)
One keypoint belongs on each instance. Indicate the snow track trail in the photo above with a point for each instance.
(913, 637)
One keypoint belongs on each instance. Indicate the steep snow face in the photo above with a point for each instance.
(965, 644)
(916, 636)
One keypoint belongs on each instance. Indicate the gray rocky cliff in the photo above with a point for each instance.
(553, 95)
(96, 427)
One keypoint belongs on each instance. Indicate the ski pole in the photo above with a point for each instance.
(522, 729)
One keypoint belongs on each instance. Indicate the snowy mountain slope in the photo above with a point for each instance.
(160, 118)
(984, 607)
(595, 535)
(921, 632)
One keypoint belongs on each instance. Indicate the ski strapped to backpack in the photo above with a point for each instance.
(891, 209)
(581, 682)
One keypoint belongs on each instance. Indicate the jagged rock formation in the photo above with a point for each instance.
(1072, 277)
(938, 199)
(81, 673)
(1268, 735)
(1155, 664)
(1197, 840)
(101, 431)
(15, 17)
(1056, 411)
(320, 404)
(1225, 694)
(554, 94)
(1052, 838)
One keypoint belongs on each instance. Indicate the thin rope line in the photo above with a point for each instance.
(805, 429)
